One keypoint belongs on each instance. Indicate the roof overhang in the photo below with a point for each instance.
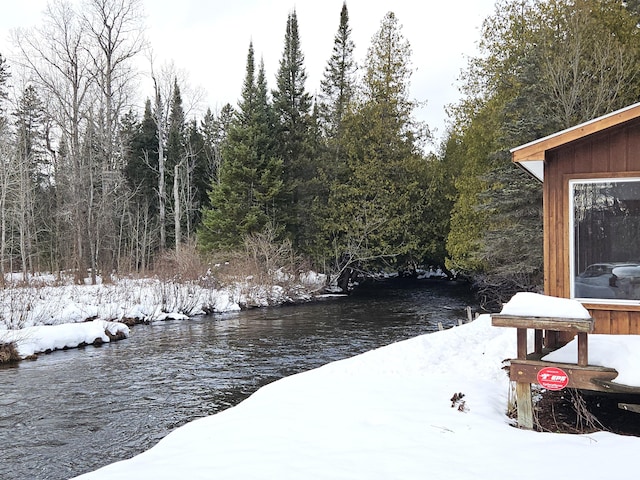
(534, 167)
(531, 156)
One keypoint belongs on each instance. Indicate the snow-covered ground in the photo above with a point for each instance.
(48, 315)
(429, 407)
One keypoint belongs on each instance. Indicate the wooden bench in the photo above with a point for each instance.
(525, 368)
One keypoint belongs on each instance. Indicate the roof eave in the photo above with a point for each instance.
(536, 150)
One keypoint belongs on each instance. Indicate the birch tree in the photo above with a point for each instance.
(116, 31)
(4, 157)
(56, 55)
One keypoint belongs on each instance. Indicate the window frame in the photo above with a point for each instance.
(572, 240)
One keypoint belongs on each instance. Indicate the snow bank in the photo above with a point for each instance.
(528, 304)
(621, 352)
(386, 414)
(32, 340)
(144, 300)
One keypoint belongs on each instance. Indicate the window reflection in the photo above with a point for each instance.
(606, 246)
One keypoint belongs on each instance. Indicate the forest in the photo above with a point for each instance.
(339, 181)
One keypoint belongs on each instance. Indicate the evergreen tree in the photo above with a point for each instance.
(243, 198)
(199, 177)
(327, 134)
(374, 209)
(214, 131)
(176, 131)
(177, 168)
(338, 83)
(33, 206)
(292, 107)
(141, 170)
(141, 174)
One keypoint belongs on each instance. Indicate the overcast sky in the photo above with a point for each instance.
(209, 40)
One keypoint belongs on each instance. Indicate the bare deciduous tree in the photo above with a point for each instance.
(82, 64)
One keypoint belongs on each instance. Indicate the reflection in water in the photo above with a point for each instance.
(73, 411)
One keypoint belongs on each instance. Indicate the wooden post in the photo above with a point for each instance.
(538, 341)
(583, 349)
(522, 343)
(525, 405)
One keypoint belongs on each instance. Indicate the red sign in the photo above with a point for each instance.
(553, 378)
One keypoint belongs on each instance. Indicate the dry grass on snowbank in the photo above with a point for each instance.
(9, 353)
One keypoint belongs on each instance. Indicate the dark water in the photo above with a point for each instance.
(74, 411)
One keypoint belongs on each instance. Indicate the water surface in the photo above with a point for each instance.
(74, 411)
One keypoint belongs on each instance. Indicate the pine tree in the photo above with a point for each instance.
(199, 175)
(214, 131)
(176, 130)
(292, 107)
(338, 83)
(32, 195)
(327, 133)
(141, 174)
(243, 198)
(176, 162)
(141, 170)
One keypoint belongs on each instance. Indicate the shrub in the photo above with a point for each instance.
(8, 353)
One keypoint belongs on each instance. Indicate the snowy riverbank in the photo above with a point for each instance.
(48, 315)
(387, 414)
(432, 406)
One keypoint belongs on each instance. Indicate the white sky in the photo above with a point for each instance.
(209, 40)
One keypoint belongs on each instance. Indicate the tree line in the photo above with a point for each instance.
(90, 184)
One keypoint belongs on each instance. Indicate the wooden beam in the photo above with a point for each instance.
(590, 377)
(583, 349)
(521, 336)
(544, 323)
(631, 407)
(537, 342)
(606, 385)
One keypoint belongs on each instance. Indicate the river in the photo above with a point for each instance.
(73, 411)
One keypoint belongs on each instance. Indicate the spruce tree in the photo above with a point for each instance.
(292, 107)
(336, 94)
(243, 197)
(32, 205)
(214, 132)
(338, 84)
(176, 164)
(199, 175)
(141, 168)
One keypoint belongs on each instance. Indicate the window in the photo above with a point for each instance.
(605, 239)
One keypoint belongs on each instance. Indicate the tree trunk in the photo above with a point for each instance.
(176, 208)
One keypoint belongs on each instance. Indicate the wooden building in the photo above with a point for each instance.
(591, 196)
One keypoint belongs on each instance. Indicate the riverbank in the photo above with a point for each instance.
(432, 406)
(50, 315)
(116, 401)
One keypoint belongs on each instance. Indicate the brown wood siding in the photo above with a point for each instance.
(610, 153)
